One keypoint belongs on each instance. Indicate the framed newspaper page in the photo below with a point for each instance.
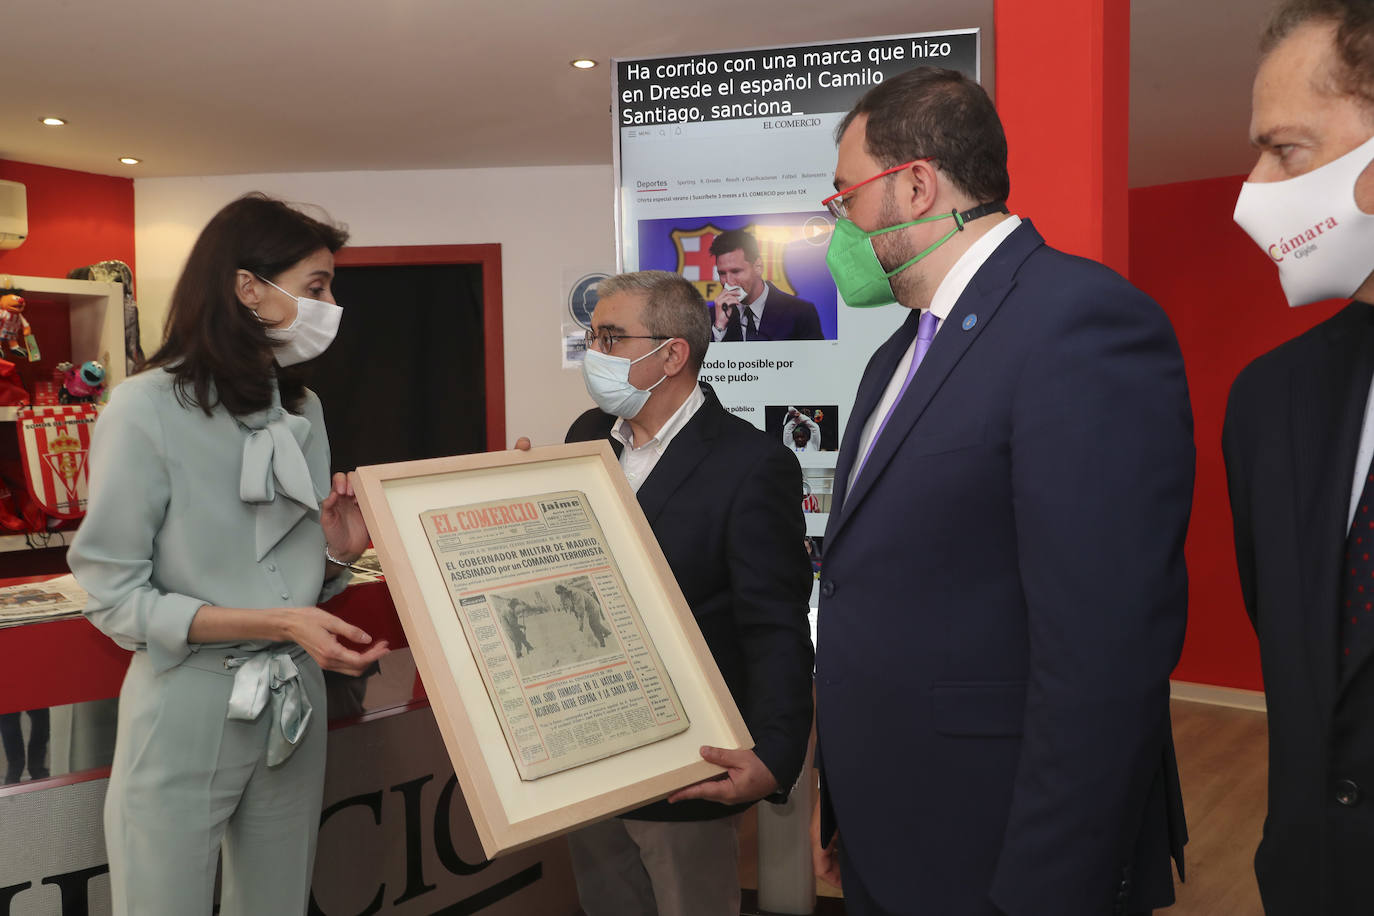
(566, 672)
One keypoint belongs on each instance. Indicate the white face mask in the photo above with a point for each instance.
(1311, 227)
(316, 324)
(608, 382)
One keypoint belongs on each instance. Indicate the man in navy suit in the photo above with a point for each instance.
(1298, 440)
(749, 307)
(1011, 500)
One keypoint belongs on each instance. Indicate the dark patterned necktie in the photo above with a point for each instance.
(750, 329)
(1357, 599)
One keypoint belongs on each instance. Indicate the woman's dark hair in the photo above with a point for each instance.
(218, 350)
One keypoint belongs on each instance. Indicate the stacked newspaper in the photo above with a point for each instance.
(35, 601)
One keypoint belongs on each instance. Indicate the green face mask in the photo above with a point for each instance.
(854, 264)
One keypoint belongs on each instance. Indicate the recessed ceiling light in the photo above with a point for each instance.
(129, 160)
(583, 63)
(54, 122)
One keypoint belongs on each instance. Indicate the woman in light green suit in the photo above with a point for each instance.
(212, 532)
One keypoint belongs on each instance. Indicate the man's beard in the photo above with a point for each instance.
(893, 250)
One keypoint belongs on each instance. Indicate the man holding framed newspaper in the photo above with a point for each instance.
(721, 498)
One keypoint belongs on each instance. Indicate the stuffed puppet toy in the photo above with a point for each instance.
(81, 385)
(16, 336)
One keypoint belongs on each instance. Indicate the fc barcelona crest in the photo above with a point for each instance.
(54, 443)
(696, 263)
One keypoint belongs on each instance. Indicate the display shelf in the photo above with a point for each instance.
(96, 311)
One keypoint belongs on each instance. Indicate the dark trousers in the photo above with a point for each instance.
(12, 738)
(858, 902)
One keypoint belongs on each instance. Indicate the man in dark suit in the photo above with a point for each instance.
(1011, 499)
(723, 499)
(1297, 442)
(749, 307)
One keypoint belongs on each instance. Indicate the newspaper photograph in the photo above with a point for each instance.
(566, 659)
(34, 601)
(368, 567)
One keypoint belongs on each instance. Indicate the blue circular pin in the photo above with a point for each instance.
(969, 322)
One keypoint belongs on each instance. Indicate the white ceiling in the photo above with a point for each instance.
(207, 87)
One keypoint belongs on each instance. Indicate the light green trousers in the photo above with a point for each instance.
(187, 782)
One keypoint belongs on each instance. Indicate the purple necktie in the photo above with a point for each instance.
(925, 333)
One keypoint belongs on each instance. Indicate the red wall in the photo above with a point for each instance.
(75, 219)
(1222, 294)
(1067, 157)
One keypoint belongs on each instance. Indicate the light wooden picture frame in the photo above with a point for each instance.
(510, 813)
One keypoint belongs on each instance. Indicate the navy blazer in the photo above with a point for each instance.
(1003, 600)
(724, 502)
(784, 318)
(1290, 441)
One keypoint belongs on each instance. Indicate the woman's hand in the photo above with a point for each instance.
(345, 531)
(318, 632)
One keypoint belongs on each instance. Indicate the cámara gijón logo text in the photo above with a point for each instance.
(1303, 240)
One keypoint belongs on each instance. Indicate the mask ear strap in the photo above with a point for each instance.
(653, 351)
(937, 243)
(274, 286)
(960, 219)
(915, 222)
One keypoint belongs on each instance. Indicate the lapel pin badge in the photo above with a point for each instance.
(969, 322)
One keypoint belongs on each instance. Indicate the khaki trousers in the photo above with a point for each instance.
(626, 867)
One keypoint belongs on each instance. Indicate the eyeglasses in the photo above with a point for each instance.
(838, 203)
(605, 341)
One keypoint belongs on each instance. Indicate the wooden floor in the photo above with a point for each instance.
(1222, 759)
(1223, 764)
